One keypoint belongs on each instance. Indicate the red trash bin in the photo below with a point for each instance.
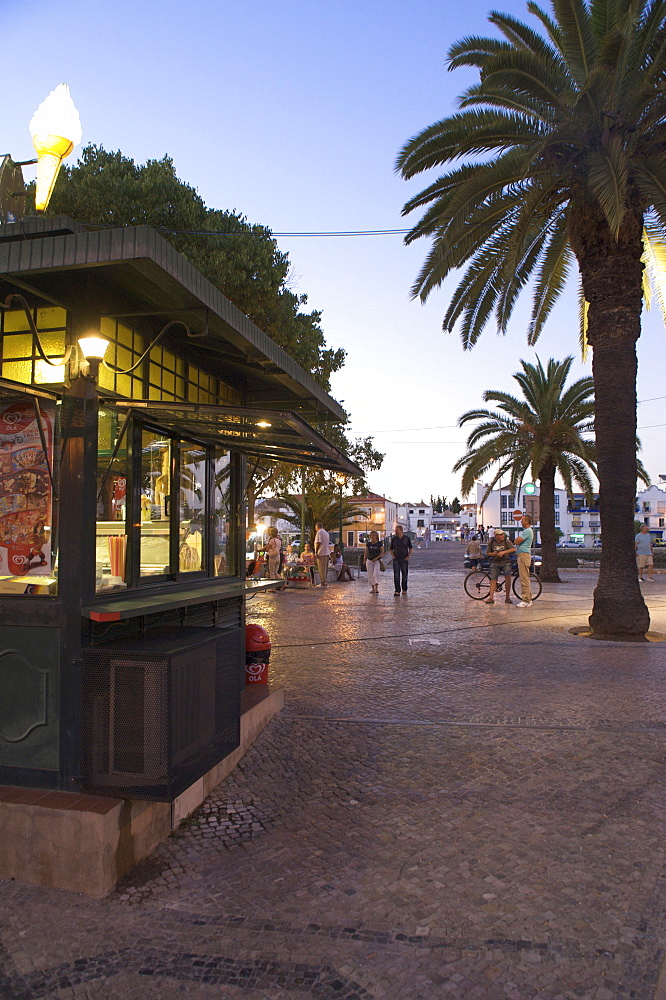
(257, 654)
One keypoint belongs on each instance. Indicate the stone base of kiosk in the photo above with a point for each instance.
(86, 843)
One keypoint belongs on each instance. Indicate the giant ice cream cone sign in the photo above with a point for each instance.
(55, 129)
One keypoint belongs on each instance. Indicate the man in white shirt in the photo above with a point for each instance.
(322, 551)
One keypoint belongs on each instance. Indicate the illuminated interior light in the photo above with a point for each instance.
(93, 347)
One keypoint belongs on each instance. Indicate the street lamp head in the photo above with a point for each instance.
(93, 347)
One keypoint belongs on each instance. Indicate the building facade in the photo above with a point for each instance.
(651, 510)
(416, 518)
(578, 521)
(380, 515)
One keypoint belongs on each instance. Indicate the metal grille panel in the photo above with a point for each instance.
(159, 712)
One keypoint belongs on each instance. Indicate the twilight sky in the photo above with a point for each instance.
(293, 114)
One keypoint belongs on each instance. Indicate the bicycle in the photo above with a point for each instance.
(477, 584)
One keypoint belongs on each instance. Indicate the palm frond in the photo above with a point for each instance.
(552, 29)
(473, 51)
(551, 277)
(607, 176)
(583, 309)
(655, 259)
(650, 178)
(522, 36)
(523, 74)
(577, 38)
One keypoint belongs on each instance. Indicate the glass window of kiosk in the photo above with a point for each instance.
(222, 561)
(163, 506)
(155, 486)
(192, 524)
(112, 501)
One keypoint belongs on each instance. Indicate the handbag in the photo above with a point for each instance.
(382, 566)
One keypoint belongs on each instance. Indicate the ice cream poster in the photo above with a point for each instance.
(26, 493)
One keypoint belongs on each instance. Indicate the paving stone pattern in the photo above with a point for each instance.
(458, 801)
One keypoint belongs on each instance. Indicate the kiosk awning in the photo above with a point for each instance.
(272, 435)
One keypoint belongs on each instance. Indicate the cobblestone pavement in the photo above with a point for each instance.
(458, 801)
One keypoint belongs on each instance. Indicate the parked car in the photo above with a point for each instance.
(571, 545)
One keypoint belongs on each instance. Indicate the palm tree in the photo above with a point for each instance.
(563, 140)
(540, 434)
(319, 506)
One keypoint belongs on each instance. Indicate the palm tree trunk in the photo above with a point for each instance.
(549, 572)
(611, 270)
(619, 608)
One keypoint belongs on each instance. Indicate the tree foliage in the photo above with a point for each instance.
(241, 259)
(558, 154)
(320, 505)
(438, 504)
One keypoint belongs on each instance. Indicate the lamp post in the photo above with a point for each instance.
(341, 480)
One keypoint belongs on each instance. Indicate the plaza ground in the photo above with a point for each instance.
(458, 801)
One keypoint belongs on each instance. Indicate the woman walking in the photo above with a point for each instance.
(374, 550)
(273, 553)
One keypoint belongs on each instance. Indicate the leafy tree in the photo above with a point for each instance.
(455, 505)
(242, 260)
(284, 478)
(541, 433)
(563, 143)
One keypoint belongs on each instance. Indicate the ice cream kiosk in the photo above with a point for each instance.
(123, 470)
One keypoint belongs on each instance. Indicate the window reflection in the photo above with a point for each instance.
(183, 489)
(111, 545)
(155, 557)
(221, 507)
(192, 507)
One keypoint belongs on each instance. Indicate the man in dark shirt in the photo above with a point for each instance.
(499, 553)
(401, 549)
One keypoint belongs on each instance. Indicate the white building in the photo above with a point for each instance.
(416, 518)
(503, 509)
(469, 518)
(651, 510)
(446, 525)
(577, 520)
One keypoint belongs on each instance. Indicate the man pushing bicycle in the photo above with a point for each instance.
(499, 552)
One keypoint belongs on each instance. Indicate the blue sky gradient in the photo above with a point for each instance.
(293, 114)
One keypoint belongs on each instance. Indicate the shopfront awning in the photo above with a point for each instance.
(266, 434)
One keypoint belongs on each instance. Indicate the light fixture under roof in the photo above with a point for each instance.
(93, 347)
